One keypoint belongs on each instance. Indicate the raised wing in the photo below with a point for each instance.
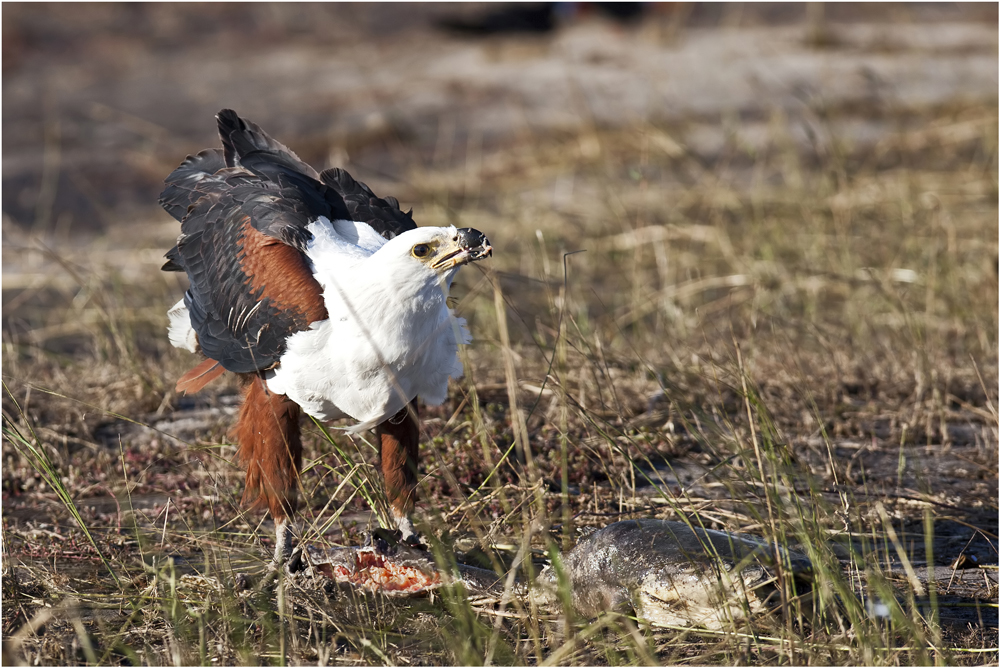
(384, 215)
(244, 214)
(245, 144)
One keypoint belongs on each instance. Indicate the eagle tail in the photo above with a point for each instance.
(270, 447)
(200, 376)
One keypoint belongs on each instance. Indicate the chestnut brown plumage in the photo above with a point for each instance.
(270, 448)
(398, 438)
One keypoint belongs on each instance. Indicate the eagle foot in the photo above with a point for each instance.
(386, 540)
(295, 561)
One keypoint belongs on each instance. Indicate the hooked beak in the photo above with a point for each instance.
(469, 245)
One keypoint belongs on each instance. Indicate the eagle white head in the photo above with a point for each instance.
(433, 251)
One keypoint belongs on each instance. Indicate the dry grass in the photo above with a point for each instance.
(794, 339)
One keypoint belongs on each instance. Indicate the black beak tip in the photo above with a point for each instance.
(470, 239)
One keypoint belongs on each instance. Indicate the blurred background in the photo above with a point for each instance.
(682, 143)
(799, 196)
(557, 120)
(102, 100)
(817, 178)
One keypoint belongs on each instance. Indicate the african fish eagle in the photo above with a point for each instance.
(321, 297)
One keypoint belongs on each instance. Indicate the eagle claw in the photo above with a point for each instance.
(385, 541)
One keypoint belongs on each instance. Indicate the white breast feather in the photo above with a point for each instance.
(179, 332)
(389, 336)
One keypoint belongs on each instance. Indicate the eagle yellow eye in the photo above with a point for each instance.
(421, 250)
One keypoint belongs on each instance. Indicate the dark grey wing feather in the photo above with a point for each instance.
(187, 183)
(297, 190)
(248, 293)
(243, 140)
(384, 215)
(237, 324)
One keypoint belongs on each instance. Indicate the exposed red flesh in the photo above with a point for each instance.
(376, 573)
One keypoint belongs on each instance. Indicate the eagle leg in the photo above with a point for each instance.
(398, 438)
(284, 532)
(270, 448)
